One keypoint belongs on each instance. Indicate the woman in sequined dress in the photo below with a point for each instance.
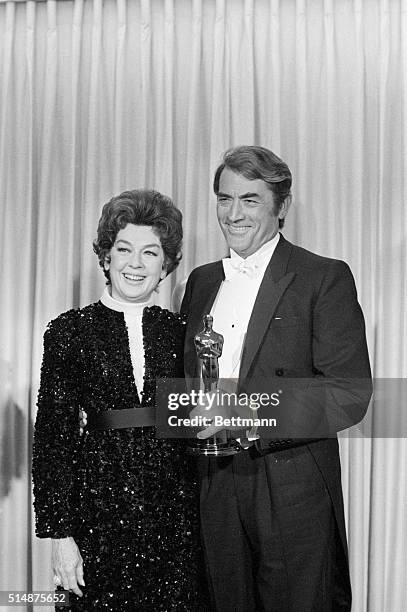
(119, 504)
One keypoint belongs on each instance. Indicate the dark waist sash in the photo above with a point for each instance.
(142, 416)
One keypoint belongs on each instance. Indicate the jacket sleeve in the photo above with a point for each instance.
(337, 395)
(340, 350)
(56, 434)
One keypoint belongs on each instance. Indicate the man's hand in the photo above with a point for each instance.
(67, 564)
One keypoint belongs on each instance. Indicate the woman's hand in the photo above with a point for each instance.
(67, 564)
(83, 421)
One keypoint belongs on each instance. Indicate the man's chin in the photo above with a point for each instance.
(238, 243)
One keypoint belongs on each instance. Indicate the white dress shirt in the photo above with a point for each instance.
(133, 315)
(234, 303)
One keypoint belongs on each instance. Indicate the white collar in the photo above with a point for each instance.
(129, 308)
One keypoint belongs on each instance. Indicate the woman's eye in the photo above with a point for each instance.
(151, 253)
(122, 250)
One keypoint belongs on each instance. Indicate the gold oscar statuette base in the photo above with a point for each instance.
(213, 447)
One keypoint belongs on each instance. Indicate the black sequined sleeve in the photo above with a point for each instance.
(56, 434)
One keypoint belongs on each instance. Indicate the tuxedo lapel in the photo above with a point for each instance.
(275, 282)
(201, 305)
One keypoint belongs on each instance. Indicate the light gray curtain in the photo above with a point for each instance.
(97, 96)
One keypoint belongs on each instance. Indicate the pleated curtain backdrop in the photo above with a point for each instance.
(98, 96)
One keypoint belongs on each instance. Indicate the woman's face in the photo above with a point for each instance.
(136, 263)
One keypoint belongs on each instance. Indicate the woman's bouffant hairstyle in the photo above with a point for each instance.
(140, 207)
(255, 162)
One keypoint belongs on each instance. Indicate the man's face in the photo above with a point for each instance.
(246, 212)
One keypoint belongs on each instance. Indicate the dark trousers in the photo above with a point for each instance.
(270, 536)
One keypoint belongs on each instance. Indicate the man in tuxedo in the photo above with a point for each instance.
(272, 515)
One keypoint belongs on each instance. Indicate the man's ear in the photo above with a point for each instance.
(284, 207)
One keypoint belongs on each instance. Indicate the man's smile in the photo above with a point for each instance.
(238, 229)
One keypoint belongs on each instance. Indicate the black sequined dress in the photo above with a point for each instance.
(129, 500)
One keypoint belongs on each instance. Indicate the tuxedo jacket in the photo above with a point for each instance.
(306, 324)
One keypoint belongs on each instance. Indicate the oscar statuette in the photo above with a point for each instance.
(208, 345)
